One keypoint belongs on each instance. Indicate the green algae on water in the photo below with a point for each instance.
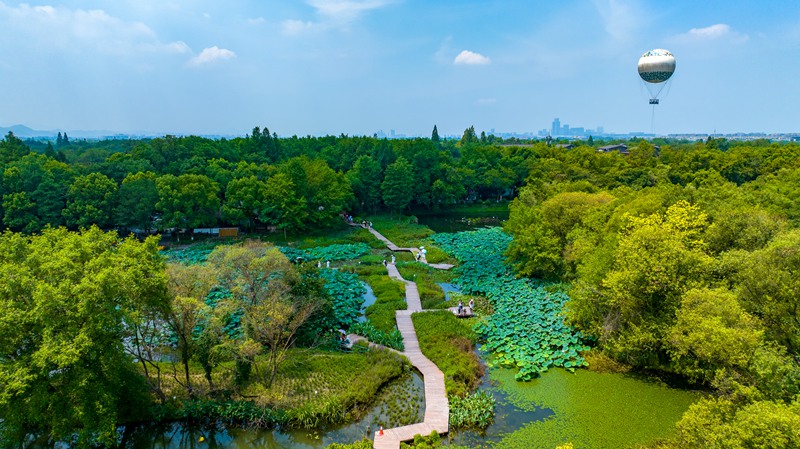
(593, 410)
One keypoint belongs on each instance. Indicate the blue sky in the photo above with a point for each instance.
(361, 66)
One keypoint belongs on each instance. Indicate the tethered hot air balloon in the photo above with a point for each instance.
(656, 68)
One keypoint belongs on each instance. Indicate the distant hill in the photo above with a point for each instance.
(24, 132)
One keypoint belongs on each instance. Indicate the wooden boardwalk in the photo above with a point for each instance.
(437, 408)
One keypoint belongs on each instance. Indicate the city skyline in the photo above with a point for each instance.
(359, 66)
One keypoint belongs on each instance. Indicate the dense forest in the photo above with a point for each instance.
(680, 258)
(260, 181)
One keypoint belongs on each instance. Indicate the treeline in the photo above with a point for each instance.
(261, 180)
(682, 260)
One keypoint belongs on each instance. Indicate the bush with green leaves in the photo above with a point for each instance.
(527, 330)
(472, 411)
(363, 444)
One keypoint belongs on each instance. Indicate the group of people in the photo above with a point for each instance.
(393, 260)
(349, 218)
(465, 311)
(420, 255)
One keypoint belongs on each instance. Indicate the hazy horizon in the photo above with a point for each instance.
(362, 66)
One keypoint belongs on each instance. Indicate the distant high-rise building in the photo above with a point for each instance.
(556, 128)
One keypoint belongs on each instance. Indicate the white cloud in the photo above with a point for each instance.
(467, 57)
(621, 18)
(59, 28)
(256, 20)
(332, 14)
(714, 32)
(346, 10)
(297, 27)
(212, 54)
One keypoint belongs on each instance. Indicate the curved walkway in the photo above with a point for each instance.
(437, 408)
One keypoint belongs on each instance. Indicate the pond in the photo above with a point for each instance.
(588, 409)
(468, 220)
(369, 299)
(400, 403)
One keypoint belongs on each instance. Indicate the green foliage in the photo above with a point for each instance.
(190, 255)
(527, 329)
(337, 251)
(315, 387)
(241, 413)
(431, 441)
(712, 332)
(391, 339)
(721, 423)
(398, 185)
(449, 343)
(390, 297)
(473, 411)
(68, 301)
(363, 444)
(347, 293)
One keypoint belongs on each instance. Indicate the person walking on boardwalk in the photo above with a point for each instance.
(393, 259)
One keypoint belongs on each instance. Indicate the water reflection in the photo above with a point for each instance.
(457, 222)
(181, 435)
(369, 299)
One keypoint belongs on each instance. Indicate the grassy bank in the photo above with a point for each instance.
(312, 387)
(449, 343)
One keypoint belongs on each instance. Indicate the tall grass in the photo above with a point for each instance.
(449, 343)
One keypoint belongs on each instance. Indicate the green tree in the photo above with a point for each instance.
(262, 279)
(398, 185)
(244, 199)
(722, 423)
(657, 259)
(90, 201)
(769, 288)
(283, 208)
(712, 332)
(66, 300)
(20, 212)
(365, 181)
(12, 148)
(469, 137)
(187, 201)
(188, 285)
(136, 201)
(435, 135)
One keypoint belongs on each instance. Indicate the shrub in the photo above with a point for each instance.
(472, 411)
